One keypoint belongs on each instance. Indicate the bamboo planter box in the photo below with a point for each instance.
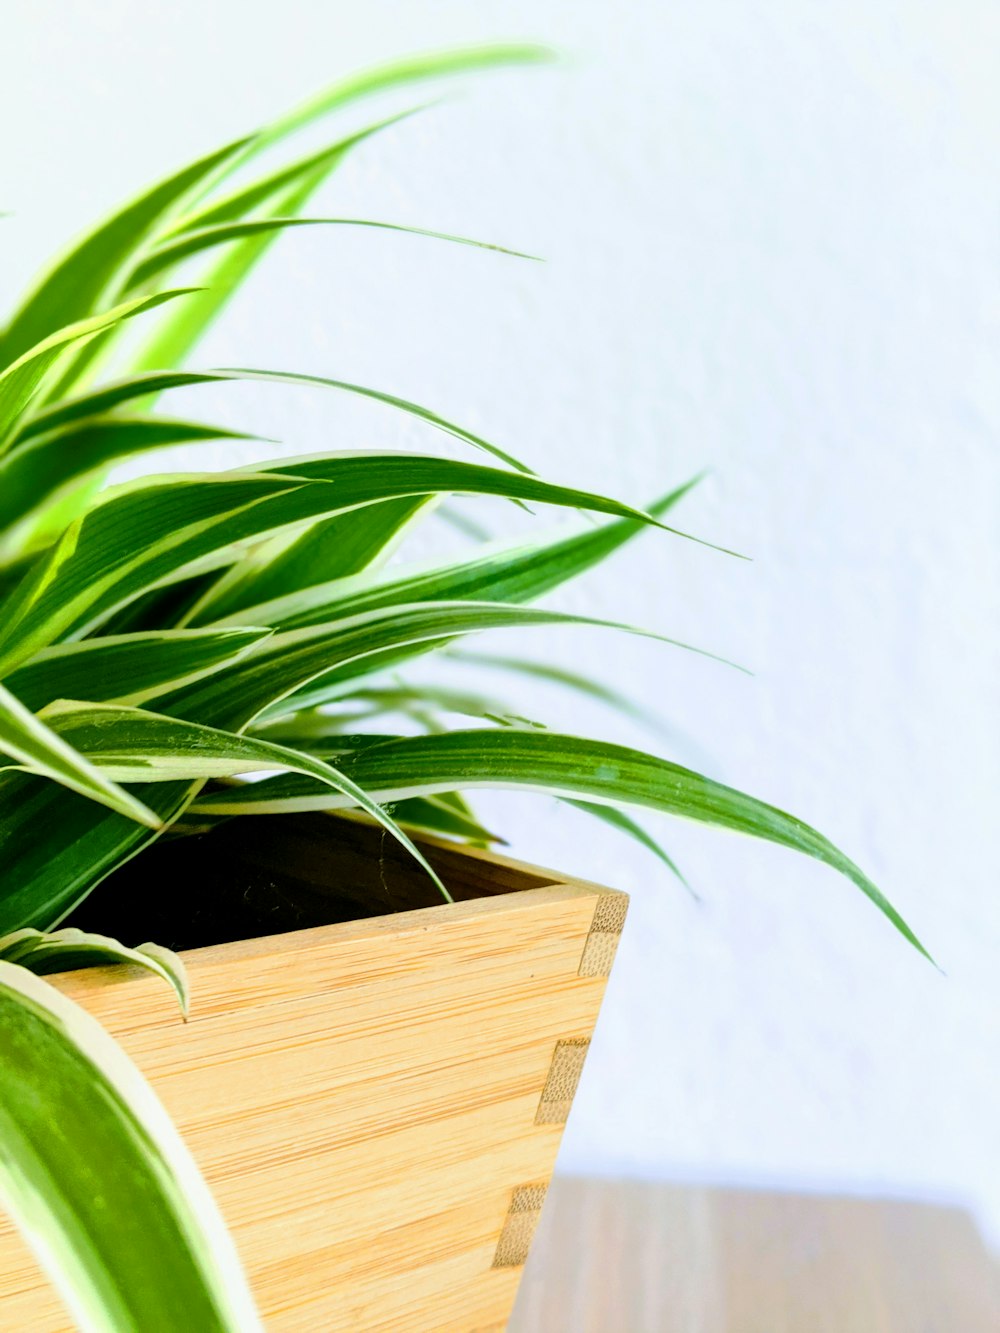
(376, 1102)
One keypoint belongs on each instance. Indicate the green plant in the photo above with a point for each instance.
(160, 639)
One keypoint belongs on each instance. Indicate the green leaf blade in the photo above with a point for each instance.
(193, 242)
(20, 380)
(144, 535)
(129, 668)
(380, 396)
(72, 288)
(330, 549)
(44, 952)
(399, 74)
(35, 474)
(138, 746)
(97, 1178)
(34, 747)
(565, 766)
(520, 573)
(106, 397)
(44, 879)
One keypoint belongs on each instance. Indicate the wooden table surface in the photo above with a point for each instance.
(629, 1257)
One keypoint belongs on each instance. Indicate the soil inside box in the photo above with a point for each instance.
(267, 875)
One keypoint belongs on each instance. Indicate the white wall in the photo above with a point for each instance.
(772, 240)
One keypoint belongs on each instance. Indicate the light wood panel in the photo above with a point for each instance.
(364, 1097)
(630, 1257)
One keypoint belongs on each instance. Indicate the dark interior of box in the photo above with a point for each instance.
(270, 874)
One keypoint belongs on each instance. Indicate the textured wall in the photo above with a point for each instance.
(772, 240)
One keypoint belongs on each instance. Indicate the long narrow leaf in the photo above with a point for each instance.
(181, 329)
(145, 535)
(128, 668)
(288, 191)
(45, 878)
(41, 470)
(71, 289)
(430, 814)
(43, 952)
(264, 191)
(287, 662)
(133, 745)
(331, 549)
(21, 378)
(564, 765)
(29, 744)
(391, 400)
(502, 572)
(565, 678)
(399, 73)
(95, 1175)
(374, 701)
(100, 401)
(624, 823)
(206, 238)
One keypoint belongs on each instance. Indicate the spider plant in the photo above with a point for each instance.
(160, 640)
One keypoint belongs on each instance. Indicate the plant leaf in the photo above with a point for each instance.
(102, 400)
(432, 815)
(397, 74)
(178, 333)
(623, 823)
(291, 660)
(45, 878)
(205, 238)
(128, 668)
(20, 380)
(43, 952)
(183, 329)
(329, 549)
(26, 740)
(501, 572)
(285, 193)
(567, 766)
(133, 745)
(145, 535)
(99, 1181)
(562, 676)
(391, 400)
(72, 288)
(40, 470)
(265, 190)
(303, 727)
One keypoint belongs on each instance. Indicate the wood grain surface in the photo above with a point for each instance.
(364, 1098)
(629, 1257)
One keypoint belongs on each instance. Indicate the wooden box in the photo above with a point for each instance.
(376, 1103)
